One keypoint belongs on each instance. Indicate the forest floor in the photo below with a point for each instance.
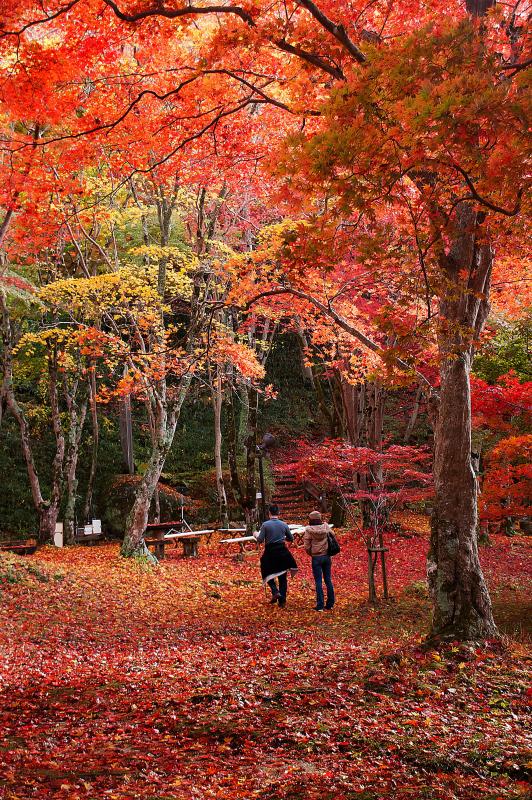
(122, 681)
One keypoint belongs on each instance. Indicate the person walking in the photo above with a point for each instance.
(277, 560)
(316, 545)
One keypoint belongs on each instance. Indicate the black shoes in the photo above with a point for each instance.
(282, 602)
(275, 598)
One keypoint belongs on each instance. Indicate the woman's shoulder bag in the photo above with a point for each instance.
(333, 548)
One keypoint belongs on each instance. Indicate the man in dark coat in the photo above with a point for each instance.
(276, 560)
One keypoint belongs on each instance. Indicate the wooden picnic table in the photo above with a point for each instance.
(164, 532)
(299, 530)
(160, 528)
(155, 533)
(190, 540)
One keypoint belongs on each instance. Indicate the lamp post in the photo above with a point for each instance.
(268, 441)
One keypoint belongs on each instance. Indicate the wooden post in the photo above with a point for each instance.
(371, 578)
(383, 567)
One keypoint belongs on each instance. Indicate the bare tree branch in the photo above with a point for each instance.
(328, 311)
(41, 21)
(482, 200)
(174, 13)
(338, 31)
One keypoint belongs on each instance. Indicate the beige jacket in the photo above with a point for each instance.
(315, 539)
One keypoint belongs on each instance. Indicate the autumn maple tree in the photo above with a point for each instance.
(377, 481)
(396, 134)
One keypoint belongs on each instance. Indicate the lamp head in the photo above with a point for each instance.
(268, 441)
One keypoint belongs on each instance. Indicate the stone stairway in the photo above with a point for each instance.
(289, 495)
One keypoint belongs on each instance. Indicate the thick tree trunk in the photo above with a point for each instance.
(462, 608)
(133, 544)
(48, 515)
(163, 414)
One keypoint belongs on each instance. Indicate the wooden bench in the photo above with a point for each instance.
(21, 548)
(232, 530)
(241, 541)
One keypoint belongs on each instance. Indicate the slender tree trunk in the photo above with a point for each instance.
(306, 369)
(250, 500)
(243, 420)
(349, 395)
(232, 450)
(76, 425)
(323, 405)
(59, 457)
(377, 419)
(462, 607)
(47, 511)
(126, 434)
(372, 591)
(39, 503)
(413, 416)
(87, 508)
(217, 401)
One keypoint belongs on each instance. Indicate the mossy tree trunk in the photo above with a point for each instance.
(133, 544)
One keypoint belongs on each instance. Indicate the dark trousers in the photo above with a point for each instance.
(321, 568)
(283, 586)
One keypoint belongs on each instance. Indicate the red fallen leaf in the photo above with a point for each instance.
(306, 727)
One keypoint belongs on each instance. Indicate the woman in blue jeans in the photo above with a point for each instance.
(316, 545)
